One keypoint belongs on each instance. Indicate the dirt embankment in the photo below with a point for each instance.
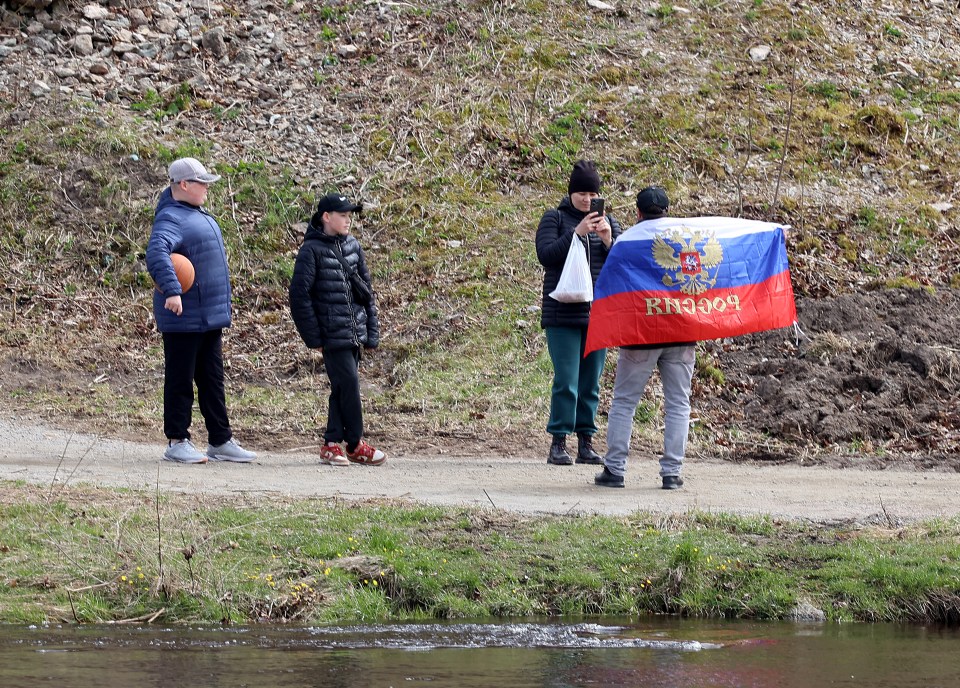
(876, 373)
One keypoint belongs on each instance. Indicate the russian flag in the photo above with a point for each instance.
(690, 279)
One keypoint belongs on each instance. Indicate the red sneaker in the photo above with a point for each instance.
(332, 455)
(366, 455)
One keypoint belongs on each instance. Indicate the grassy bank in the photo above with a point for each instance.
(85, 556)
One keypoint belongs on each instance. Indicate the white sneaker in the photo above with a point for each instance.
(332, 455)
(183, 451)
(230, 451)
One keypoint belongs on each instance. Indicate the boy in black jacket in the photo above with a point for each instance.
(330, 315)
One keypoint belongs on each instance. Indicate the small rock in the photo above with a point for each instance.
(347, 50)
(942, 207)
(213, 42)
(39, 89)
(267, 92)
(95, 12)
(167, 26)
(148, 50)
(602, 6)
(759, 53)
(137, 18)
(42, 44)
(805, 611)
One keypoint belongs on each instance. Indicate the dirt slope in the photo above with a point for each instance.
(456, 123)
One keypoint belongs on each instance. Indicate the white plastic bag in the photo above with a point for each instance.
(576, 282)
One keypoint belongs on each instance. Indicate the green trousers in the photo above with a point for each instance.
(576, 381)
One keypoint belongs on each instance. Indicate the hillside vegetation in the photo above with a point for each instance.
(456, 124)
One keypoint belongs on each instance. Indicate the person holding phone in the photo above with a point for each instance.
(575, 393)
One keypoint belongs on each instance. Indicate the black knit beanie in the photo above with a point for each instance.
(584, 177)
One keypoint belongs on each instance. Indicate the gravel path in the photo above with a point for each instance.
(45, 455)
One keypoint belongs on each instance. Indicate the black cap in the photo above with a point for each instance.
(336, 203)
(584, 177)
(653, 201)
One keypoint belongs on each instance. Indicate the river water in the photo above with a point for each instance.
(609, 652)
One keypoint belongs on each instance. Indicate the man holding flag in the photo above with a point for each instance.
(668, 283)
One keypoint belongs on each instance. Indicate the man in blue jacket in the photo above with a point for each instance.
(192, 321)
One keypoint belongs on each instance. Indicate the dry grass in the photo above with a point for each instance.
(457, 126)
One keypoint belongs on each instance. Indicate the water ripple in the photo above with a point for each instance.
(432, 636)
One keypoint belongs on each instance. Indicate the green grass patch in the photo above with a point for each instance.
(90, 556)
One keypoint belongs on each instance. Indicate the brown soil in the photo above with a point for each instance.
(874, 372)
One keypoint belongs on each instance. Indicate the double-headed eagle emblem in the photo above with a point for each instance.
(678, 252)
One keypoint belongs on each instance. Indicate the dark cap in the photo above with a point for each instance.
(584, 177)
(653, 201)
(336, 203)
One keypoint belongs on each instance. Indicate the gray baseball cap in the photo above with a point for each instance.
(190, 170)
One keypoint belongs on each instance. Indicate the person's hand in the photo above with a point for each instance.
(174, 304)
(588, 224)
(604, 232)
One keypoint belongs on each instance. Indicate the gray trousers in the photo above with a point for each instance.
(634, 367)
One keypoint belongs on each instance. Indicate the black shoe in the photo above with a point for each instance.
(585, 453)
(558, 452)
(607, 479)
(672, 482)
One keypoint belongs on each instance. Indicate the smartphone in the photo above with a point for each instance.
(596, 205)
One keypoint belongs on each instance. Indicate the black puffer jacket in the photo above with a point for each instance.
(553, 242)
(321, 301)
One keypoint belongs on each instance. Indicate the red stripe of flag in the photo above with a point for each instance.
(661, 317)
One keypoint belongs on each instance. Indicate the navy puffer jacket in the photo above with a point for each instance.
(321, 301)
(553, 242)
(183, 228)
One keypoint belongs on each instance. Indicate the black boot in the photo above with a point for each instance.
(558, 452)
(585, 453)
(607, 479)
